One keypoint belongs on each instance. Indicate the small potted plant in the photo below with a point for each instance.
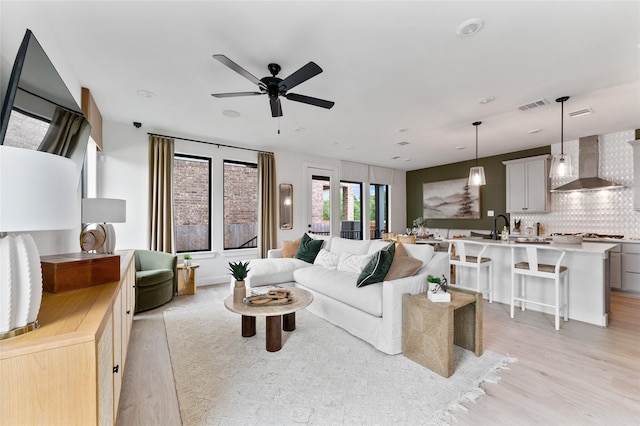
(239, 272)
(187, 259)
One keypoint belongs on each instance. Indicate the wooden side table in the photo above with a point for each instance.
(187, 278)
(429, 329)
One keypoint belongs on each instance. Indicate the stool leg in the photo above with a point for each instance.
(513, 286)
(478, 269)
(490, 282)
(566, 296)
(556, 308)
(523, 291)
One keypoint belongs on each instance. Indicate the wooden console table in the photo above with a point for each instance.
(429, 329)
(187, 278)
(70, 370)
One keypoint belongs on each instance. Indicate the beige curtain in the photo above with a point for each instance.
(63, 133)
(267, 196)
(161, 194)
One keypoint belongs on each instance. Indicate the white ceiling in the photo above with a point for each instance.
(387, 65)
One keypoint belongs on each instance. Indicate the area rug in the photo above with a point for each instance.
(322, 375)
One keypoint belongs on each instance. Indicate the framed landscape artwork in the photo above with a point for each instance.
(451, 199)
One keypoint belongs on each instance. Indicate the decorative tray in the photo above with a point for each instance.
(271, 298)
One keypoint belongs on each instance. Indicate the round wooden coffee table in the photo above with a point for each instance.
(278, 318)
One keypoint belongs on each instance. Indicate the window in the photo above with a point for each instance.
(320, 205)
(240, 205)
(351, 210)
(25, 130)
(192, 201)
(378, 209)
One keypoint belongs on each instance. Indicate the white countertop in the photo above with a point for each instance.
(586, 246)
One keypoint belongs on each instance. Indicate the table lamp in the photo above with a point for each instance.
(38, 192)
(103, 211)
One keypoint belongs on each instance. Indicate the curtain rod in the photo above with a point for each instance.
(209, 143)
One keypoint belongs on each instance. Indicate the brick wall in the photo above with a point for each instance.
(191, 204)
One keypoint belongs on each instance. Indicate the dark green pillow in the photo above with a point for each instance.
(377, 267)
(308, 249)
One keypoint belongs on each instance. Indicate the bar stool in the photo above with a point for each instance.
(533, 267)
(388, 236)
(459, 255)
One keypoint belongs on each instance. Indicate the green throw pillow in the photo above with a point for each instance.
(308, 249)
(377, 267)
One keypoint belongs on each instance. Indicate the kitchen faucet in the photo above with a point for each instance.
(494, 234)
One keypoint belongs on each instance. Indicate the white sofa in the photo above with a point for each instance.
(373, 312)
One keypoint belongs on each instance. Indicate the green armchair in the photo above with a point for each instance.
(156, 279)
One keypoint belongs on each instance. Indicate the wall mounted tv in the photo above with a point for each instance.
(38, 111)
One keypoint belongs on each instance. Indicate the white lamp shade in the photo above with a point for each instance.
(561, 166)
(476, 176)
(38, 191)
(103, 210)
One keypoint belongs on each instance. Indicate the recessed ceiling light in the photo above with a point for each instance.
(403, 143)
(407, 159)
(230, 113)
(348, 147)
(402, 129)
(532, 131)
(145, 93)
(395, 158)
(460, 147)
(470, 27)
(299, 129)
(487, 100)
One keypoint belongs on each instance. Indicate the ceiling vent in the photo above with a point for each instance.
(533, 104)
(580, 112)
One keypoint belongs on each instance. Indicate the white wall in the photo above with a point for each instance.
(123, 173)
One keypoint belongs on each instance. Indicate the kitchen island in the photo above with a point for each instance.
(588, 278)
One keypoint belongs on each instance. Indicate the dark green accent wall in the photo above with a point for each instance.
(492, 195)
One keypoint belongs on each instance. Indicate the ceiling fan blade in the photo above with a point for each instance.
(237, 68)
(276, 107)
(303, 74)
(234, 94)
(309, 100)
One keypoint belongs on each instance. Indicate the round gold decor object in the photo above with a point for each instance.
(92, 237)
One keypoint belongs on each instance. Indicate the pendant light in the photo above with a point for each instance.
(476, 174)
(561, 164)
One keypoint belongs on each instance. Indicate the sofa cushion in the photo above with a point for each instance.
(378, 266)
(344, 245)
(273, 270)
(326, 239)
(339, 285)
(403, 265)
(353, 263)
(308, 249)
(327, 259)
(153, 277)
(423, 252)
(289, 248)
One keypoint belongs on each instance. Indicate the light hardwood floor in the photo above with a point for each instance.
(580, 375)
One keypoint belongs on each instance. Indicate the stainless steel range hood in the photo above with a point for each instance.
(588, 161)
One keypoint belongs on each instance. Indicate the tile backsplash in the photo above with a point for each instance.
(604, 211)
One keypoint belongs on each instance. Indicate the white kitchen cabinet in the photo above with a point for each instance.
(528, 185)
(631, 267)
(636, 173)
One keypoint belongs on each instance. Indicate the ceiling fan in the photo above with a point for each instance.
(275, 86)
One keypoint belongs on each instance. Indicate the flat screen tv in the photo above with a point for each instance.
(38, 111)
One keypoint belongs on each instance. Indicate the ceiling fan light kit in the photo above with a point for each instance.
(476, 174)
(276, 87)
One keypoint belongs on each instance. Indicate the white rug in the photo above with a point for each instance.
(322, 375)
